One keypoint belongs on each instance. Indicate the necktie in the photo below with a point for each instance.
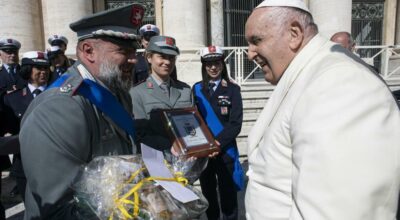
(11, 72)
(164, 88)
(36, 92)
(211, 88)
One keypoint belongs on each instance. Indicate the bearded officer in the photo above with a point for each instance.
(67, 126)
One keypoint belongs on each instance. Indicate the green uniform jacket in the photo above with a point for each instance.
(147, 99)
(61, 131)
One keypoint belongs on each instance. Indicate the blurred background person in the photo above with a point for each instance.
(9, 78)
(60, 41)
(141, 71)
(345, 40)
(59, 63)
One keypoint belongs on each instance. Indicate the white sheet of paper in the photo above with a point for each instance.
(154, 161)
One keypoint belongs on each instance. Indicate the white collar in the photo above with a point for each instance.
(33, 88)
(216, 82)
(168, 82)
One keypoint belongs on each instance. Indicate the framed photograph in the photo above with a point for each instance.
(188, 132)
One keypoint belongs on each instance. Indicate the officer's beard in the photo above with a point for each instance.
(113, 77)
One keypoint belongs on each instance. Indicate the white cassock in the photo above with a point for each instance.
(327, 144)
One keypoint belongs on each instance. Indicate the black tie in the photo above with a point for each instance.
(36, 92)
(11, 70)
(211, 88)
(11, 73)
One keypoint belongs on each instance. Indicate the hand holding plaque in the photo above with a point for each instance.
(188, 132)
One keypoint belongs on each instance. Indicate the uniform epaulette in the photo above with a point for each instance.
(71, 85)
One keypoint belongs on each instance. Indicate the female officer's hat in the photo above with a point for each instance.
(32, 58)
(35, 58)
(163, 45)
(211, 53)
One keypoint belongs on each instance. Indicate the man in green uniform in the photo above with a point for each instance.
(85, 113)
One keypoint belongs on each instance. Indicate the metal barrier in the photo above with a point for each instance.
(242, 70)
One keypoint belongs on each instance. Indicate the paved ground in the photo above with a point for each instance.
(15, 209)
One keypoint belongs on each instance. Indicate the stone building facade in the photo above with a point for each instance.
(194, 23)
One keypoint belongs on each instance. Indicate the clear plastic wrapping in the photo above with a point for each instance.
(107, 186)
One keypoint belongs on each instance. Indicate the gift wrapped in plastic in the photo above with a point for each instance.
(190, 168)
(119, 187)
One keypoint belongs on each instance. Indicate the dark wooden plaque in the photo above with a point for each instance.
(188, 132)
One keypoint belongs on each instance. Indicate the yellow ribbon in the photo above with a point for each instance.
(121, 202)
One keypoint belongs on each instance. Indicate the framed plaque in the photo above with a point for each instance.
(188, 132)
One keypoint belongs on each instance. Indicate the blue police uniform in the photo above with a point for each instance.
(15, 105)
(226, 102)
(10, 81)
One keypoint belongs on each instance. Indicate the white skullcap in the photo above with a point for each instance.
(284, 3)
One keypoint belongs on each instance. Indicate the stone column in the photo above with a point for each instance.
(217, 22)
(398, 25)
(331, 16)
(389, 22)
(58, 14)
(186, 22)
(22, 20)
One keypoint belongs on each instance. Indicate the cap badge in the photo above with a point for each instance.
(137, 15)
(55, 36)
(169, 41)
(212, 49)
(148, 27)
(9, 41)
(40, 55)
(66, 88)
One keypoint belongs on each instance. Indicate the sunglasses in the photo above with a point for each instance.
(10, 51)
(147, 36)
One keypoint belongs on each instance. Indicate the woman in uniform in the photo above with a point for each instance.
(158, 91)
(35, 70)
(220, 104)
